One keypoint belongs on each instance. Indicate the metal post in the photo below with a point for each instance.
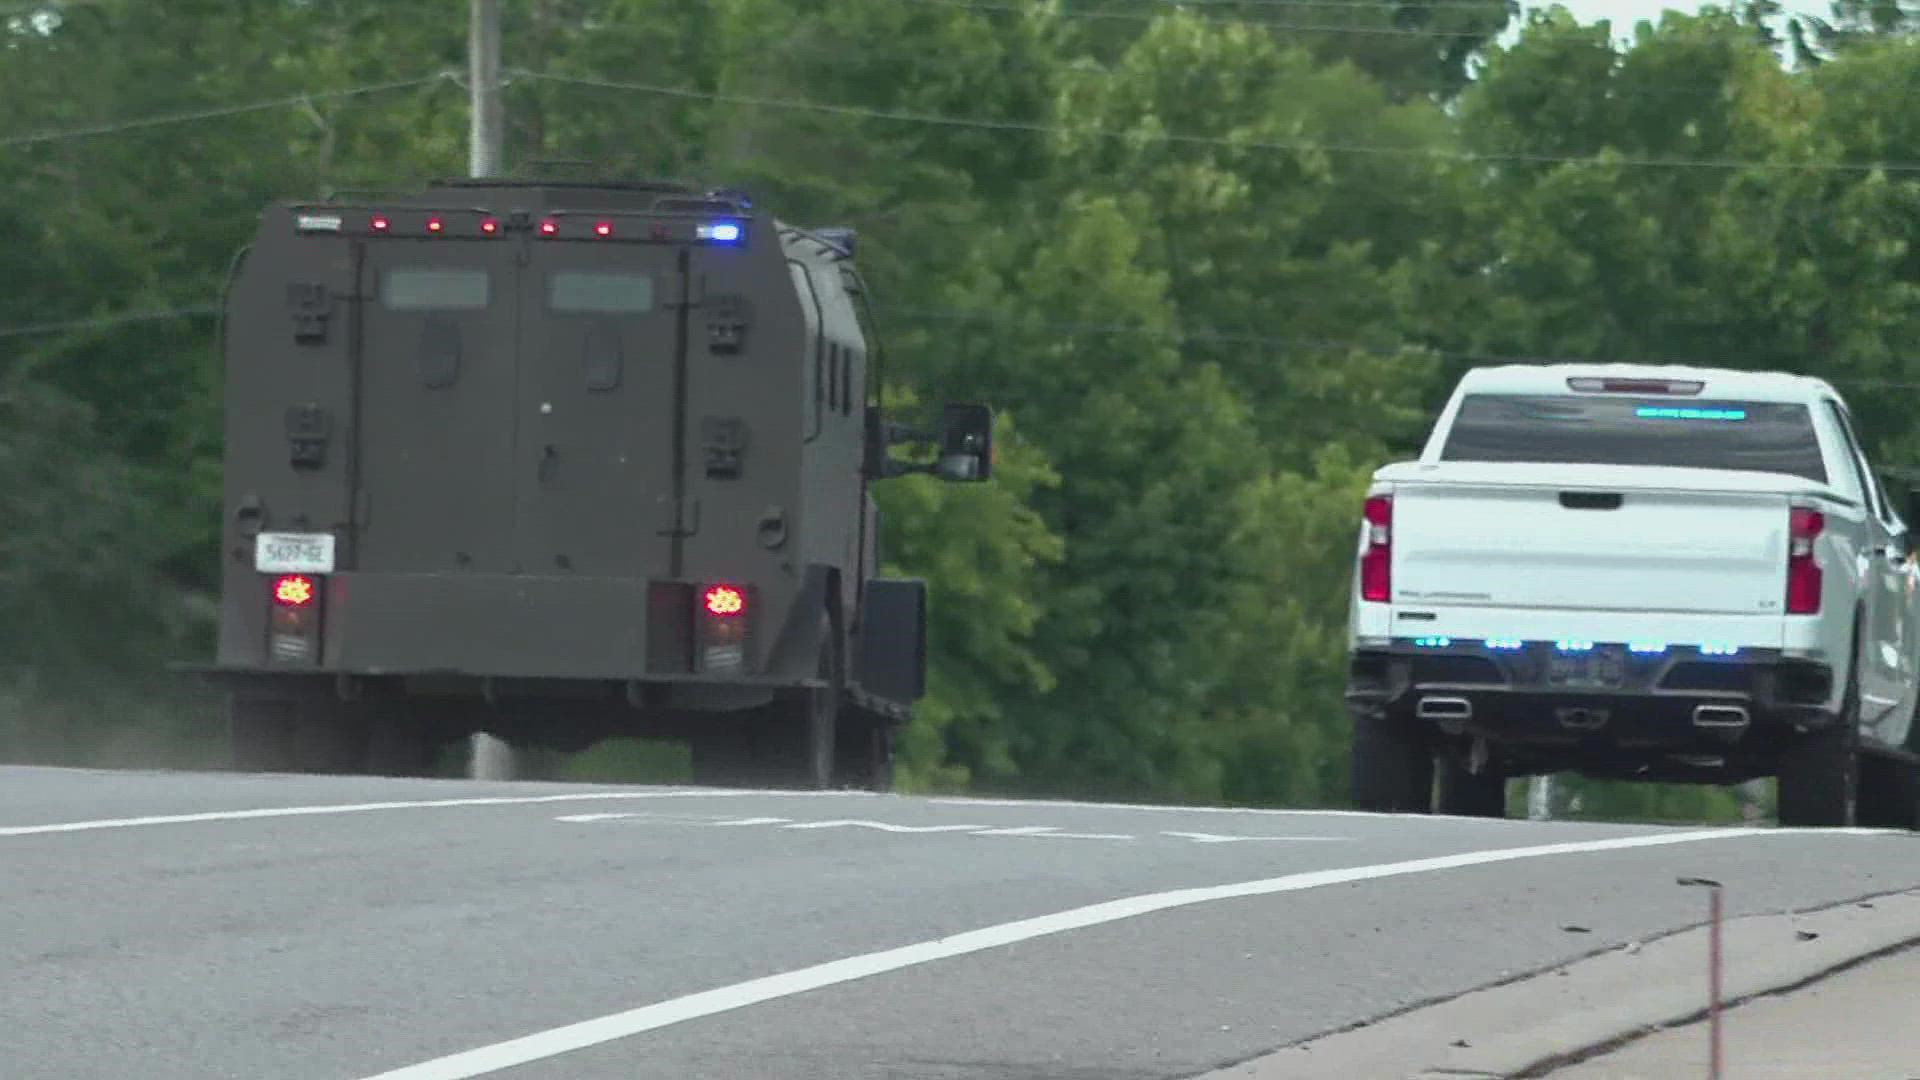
(1540, 798)
(1714, 914)
(488, 758)
(487, 117)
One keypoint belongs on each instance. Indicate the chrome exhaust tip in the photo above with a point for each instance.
(1720, 716)
(1444, 708)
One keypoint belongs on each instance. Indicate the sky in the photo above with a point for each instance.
(1625, 13)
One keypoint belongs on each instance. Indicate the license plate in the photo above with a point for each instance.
(1597, 668)
(293, 553)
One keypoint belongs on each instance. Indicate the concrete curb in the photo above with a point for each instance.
(1531, 1025)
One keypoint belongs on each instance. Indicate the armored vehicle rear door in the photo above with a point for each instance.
(598, 401)
(438, 393)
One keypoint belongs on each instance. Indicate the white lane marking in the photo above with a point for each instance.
(964, 800)
(1045, 831)
(881, 826)
(1222, 838)
(1052, 832)
(562, 1040)
(364, 808)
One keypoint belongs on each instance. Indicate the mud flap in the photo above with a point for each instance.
(892, 647)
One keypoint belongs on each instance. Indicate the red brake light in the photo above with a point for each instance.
(603, 228)
(1376, 561)
(434, 225)
(1804, 526)
(489, 226)
(725, 601)
(549, 227)
(380, 223)
(294, 591)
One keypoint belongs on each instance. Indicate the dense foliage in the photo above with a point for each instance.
(1214, 262)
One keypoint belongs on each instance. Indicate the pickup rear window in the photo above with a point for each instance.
(1564, 429)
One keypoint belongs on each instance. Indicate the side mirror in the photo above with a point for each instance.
(966, 444)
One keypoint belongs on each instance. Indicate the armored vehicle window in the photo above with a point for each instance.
(433, 289)
(592, 293)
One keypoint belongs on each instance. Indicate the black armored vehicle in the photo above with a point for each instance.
(562, 461)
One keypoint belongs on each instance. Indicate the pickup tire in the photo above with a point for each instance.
(1819, 776)
(1889, 791)
(1467, 794)
(1392, 766)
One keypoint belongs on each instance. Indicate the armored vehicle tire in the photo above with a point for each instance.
(1392, 767)
(788, 744)
(401, 740)
(796, 741)
(268, 734)
(1466, 794)
(1820, 772)
(863, 751)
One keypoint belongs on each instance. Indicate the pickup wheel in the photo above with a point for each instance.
(1468, 794)
(1392, 771)
(1889, 792)
(1820, 772)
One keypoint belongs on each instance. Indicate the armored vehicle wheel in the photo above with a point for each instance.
(401, 740)
(788, 744)
(795, 742)
(268, 734)
(863, 751)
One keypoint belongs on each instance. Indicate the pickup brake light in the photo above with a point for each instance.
(1804, 526)
(1596, 385)
(1376, 561)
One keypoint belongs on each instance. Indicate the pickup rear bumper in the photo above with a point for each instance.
(1612, 704)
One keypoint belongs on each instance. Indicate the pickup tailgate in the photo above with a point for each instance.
(1591, 538)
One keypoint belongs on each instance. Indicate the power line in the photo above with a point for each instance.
(1224, 142)
(1213, 335)
(1147, 17)
(1201, 334)
(216, 112)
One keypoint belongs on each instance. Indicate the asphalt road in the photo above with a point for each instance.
(542, 932)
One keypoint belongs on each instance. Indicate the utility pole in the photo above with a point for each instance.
(488, 120)
(488, 758)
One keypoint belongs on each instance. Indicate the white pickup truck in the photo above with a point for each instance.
(1653, 573)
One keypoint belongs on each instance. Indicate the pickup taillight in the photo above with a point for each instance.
(1376, 561)
(1803, 574)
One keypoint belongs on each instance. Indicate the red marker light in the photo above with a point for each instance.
(604, 228)
(725, 601)
(380, 223)
(435, 224)
(489, 226)
(294, 591)
(549, 227)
